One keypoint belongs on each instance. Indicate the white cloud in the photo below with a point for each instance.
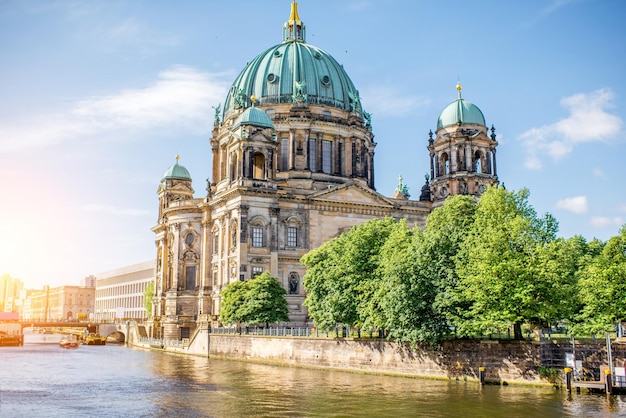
(603, 221)
(382, 101)
(577, 204)
(180, 98)
(598, 172)
(588, 121)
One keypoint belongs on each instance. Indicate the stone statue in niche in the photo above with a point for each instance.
(293, 284)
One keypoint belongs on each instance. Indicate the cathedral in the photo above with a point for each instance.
(293, 167)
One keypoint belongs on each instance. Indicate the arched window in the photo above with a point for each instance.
(292, 231)
(190, 259)
(258, 171)
(478, 162)
(445, 162)
(257, 232)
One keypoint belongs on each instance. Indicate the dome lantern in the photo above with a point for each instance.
(293, 29)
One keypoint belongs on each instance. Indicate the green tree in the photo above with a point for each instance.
(602, 287)
(265, 301)
(555, 267)
(257, 301)
(418, 291)
(233, 303)
(497, 264)
(148, 296)
(406, 293)
(342, 275)
(447, 228)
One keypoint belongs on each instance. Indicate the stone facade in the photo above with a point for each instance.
(292, 167)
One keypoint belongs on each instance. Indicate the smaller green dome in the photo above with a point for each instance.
(253, 116)
(176, 172)
(460, 111)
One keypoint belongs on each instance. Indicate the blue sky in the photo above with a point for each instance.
(97, 98)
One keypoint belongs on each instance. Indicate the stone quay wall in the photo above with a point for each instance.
(503, 361)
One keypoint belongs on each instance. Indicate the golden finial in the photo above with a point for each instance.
(294, 13)
(253, 99)
(177, 158)
(459, 87)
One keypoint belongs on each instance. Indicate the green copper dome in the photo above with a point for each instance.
(177, 172)
(293, 72)
(253, 116)
(460, 111)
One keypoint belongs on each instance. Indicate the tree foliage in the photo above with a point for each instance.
(148, 296)
(342, 275)
(602, 287)
(477, 267)
(498, 263)
(257, 301)
(447, 227)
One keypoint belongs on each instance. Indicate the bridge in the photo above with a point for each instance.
(107, 330)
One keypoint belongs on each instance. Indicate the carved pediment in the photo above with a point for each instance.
(352, 193)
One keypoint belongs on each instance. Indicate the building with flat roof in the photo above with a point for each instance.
(119, 293)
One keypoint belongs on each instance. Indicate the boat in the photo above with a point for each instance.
(95, 339)
(11, 334)
(10, 340)
(68, 342)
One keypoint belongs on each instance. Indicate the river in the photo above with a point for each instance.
(41, 379)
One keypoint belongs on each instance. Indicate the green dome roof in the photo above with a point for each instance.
(177, 172)
(293, 72)
(460, 111)
(254, 117)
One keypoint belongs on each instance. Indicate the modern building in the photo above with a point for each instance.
(293, 167)
(120, 293)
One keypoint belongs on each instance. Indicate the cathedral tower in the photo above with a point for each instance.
(462, 154)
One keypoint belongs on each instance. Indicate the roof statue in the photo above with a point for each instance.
(402, 190)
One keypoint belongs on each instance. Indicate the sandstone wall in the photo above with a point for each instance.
(504, 361)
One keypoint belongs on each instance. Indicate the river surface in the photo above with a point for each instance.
(41, 379)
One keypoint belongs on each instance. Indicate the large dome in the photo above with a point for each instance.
(293, 72)
(460, 111)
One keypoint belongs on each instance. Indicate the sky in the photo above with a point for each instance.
(97, 97)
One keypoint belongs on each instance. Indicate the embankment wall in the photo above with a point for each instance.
(504, 361)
